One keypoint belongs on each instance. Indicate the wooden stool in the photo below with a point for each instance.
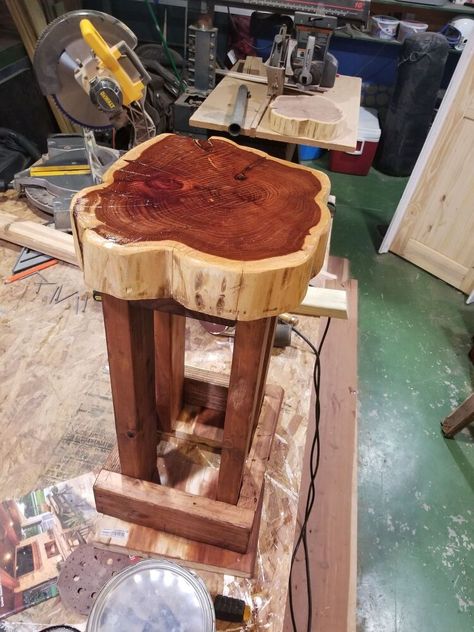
(212, 231)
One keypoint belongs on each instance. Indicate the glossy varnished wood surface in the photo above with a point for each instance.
(213, 196)
(221, 229)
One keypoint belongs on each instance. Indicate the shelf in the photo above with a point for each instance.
(447, 7)
(375, 40)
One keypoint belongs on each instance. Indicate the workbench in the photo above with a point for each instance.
(58, 422)
(215, 112)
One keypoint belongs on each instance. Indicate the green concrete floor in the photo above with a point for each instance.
(416, 503)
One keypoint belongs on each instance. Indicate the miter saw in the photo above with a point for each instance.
(86, 62)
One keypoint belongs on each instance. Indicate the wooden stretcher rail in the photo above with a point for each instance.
(38, 237)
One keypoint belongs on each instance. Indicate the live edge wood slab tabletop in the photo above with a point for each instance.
(224, 230)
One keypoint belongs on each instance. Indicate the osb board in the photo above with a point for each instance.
(215, 112)
(54, 385)
(47, 349)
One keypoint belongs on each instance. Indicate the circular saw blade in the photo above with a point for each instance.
(60, 50)
(71, 98)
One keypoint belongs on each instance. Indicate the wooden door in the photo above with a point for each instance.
(433, 226)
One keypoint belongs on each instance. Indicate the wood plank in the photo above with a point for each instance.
(205, 388)
(247, 361)
(341, 268)
(173, 511)
(326, 302)
(259, 79)
(152, 543)
(459, 418)
(216, 110)
(129, 335)
(333, 523)
(170, 332)
(255, 465)
(259, 115)
(37, 237)
(435, 262)
(254, 66)
(268, 344)
(403, 220)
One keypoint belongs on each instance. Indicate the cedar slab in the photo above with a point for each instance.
(306, 116)
(224, 230)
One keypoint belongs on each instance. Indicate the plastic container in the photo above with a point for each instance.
(358, 162)
(384, 26)
(306, 152)
(153, 595)
(408, 27)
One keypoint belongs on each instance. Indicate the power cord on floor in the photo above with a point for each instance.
(314, 460)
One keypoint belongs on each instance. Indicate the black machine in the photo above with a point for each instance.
(305, 61)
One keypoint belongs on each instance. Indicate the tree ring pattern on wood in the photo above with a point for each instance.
(314, 117)
(218, 198)
(223, 230)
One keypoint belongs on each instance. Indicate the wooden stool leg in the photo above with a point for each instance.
(129, 333)
(169, 367)
(459, 418)
(270, 337)
(244, 388)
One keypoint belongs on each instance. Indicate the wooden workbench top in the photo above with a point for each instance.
(215, 112)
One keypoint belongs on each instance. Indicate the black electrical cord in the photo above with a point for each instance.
(314, 460)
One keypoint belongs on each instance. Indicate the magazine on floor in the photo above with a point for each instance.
(37, 533)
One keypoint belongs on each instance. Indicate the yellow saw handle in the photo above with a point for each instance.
(109, 57)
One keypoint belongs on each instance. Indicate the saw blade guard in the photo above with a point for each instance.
(62, 57)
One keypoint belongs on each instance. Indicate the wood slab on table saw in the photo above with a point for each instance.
(215, 112)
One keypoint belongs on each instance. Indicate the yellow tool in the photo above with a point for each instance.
(109, 57)
(59, 170)
(86, 61)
